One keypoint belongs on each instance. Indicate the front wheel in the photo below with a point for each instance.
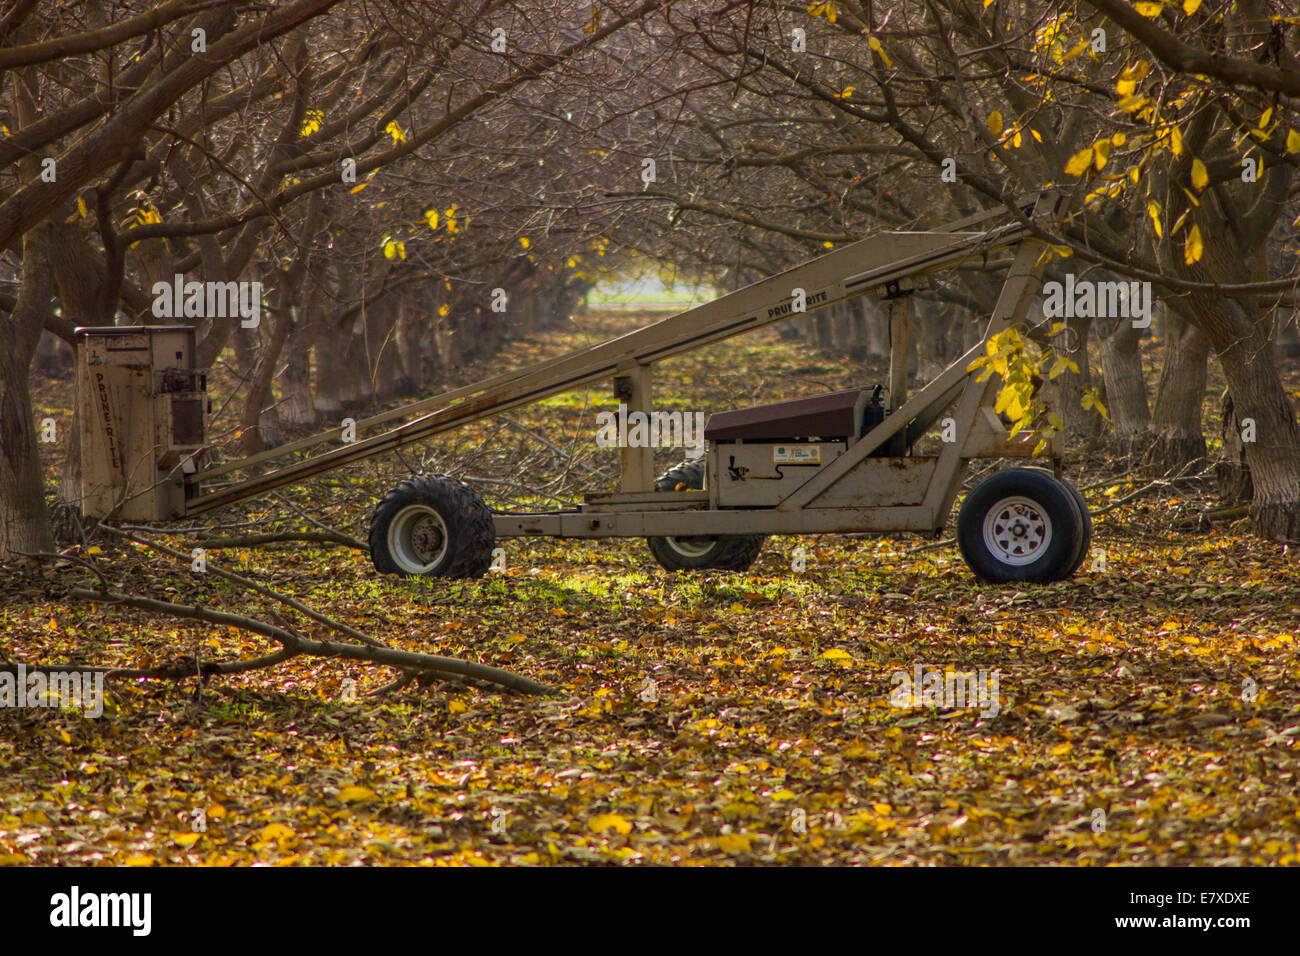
(1021, 525)
(432, 525)
(700, 553)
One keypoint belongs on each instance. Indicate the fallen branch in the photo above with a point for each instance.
(294, 645)
(253, 540)
(262, 589)
(1220, 514)
(932, 546)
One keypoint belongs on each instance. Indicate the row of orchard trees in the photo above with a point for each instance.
(413, 182)
(1173, 127)
(402, 182)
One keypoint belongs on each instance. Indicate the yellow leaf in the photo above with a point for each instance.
(1195, 247)
(989, 3)
(524, 242)
(1292, 141)
(825, 9)
(63, 735)
(784, 795)
(186, 839)
(95, 550)
(995, 123)
(880, 50)
(1077, 49)
(355, 794)
(1079, 162)
(457, 707)
(143, 860)
(1119, 139)
(1265, 117)
(1100, 153)
(1200, 177)
(1153, 210)
(390, 249)
(277, 831)
(845, 93)
(734, 842)
(311, 123)
(358, 187)
(1131, 104)
(1191, 6)
(431, 217)
(1060, 750)
(395, 131)
(609, 821)
(835, 654)
(1176, 141)
(1149, 9)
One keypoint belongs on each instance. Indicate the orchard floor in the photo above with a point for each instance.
(1148, 709)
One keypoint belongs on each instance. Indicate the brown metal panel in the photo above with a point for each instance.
(834, 415)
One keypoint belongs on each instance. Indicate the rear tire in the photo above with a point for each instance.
(1085, 541)
(703, 552)
(706, 553)
(432, 525)
(1021, 525)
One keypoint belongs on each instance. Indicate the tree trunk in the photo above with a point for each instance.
(296, 409)
(1081, 424)
(328, 401)
(1175, 443)
(24, 519)
(1126, 390)
(1273, 455)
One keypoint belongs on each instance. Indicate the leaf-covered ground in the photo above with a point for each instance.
(702, 719)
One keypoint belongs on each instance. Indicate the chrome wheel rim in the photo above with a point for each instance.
(417, 539)
(1017, 531)
(692, 547)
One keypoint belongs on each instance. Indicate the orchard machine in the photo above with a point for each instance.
(834, 463)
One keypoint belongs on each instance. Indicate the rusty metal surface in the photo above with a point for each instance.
(681, 523)
(877, 482)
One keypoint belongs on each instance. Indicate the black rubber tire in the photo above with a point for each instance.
(1085, 540)
(1054, 499)
(721, 554)
(469, 534)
